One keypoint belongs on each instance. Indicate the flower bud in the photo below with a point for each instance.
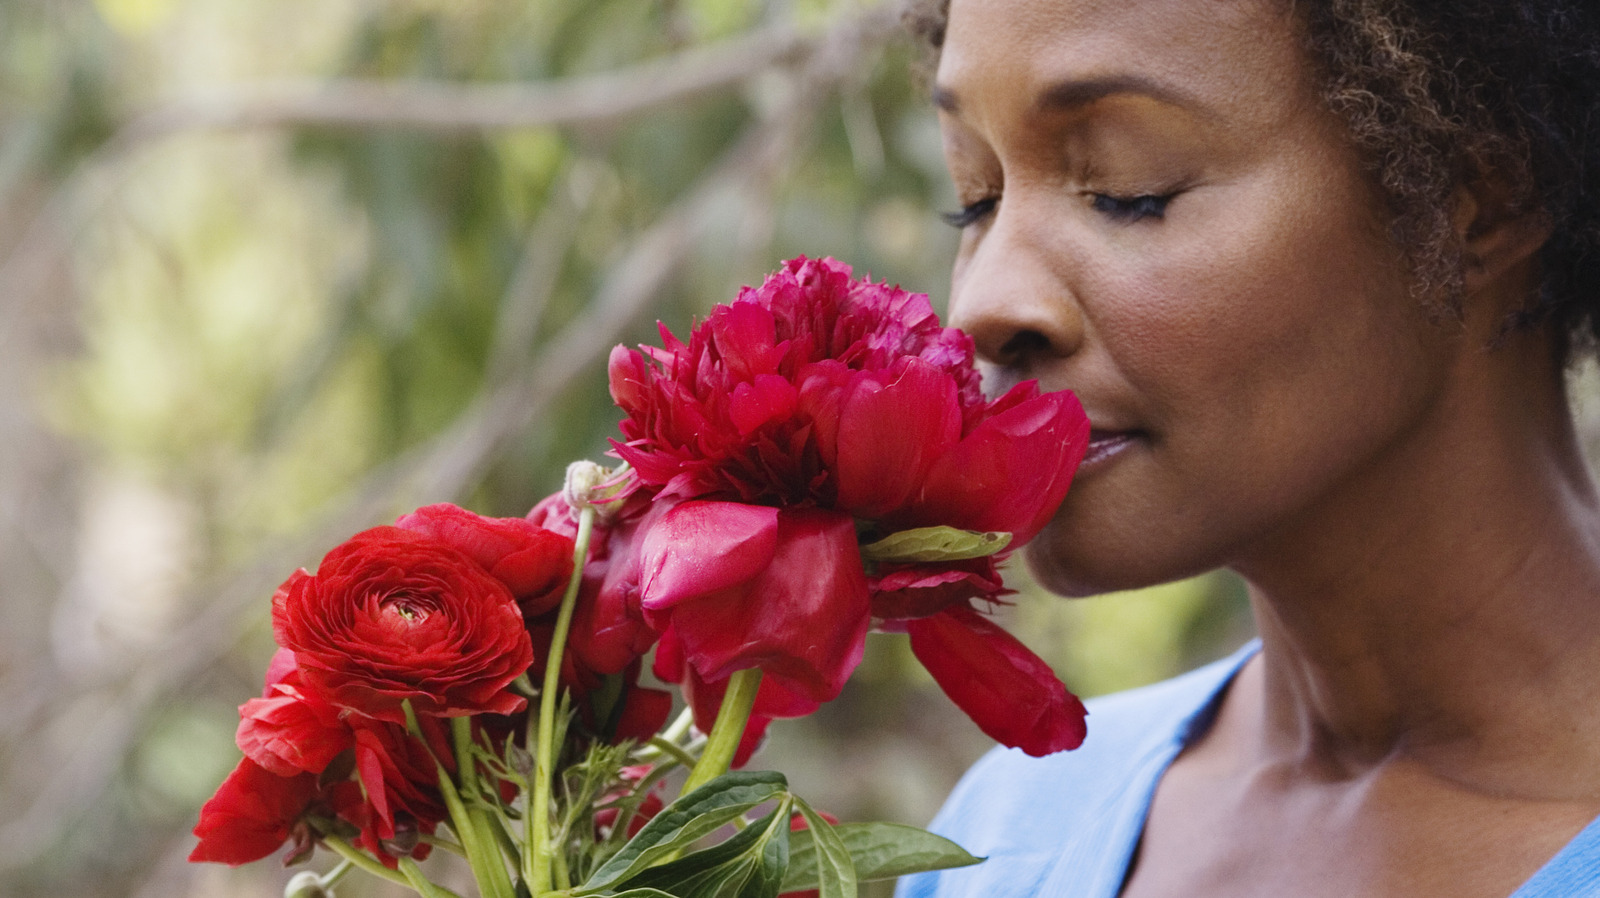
(306, 884)
(590, 485)
(521, 760)
(406, 836)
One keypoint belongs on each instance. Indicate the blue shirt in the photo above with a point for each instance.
(1066, 825)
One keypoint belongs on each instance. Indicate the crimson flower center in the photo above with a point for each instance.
(404, 607)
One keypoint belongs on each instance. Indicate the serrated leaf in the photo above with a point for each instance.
(879, 851)
(928, 544)
(688, 819)
(834, 869)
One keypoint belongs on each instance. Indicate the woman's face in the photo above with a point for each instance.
(1161, 215)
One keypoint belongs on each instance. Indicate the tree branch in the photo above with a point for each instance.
(589, 100)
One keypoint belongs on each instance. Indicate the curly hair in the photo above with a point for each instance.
(1436, 94)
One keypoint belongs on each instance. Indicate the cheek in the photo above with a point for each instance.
(1270, 299)
(1271, 356)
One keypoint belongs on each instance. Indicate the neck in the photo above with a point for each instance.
(1456, 627)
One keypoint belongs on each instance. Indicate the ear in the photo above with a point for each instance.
(1498, 237)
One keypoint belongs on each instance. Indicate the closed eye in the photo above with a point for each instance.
(1132, 209)
(971, 214)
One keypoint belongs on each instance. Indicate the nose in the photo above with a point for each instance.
(1007, 291)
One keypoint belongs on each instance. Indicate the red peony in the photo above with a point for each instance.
(1007, 690)
(609, 631)
(425, 612)
(755, 586)
(815, 413)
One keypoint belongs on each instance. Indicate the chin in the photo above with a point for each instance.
(1083, 571)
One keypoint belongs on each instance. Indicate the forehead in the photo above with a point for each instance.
(1230, 57)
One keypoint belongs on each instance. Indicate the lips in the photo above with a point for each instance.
(1105, 444)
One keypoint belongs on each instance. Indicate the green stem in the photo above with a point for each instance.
(671, 750)
(332, 877)
(680, 726)
(422, 885)
(561, 873)
(440, 842)
(369, 864)
(487, 867)
(488, 864)
(536, 863)
(466, 767)
(729, 728)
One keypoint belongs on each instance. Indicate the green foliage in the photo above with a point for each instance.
(877, 851)
(925, 544)
(762, 858)
(684, 822)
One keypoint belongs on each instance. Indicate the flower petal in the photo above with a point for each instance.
(1011, 471)
(699, 548)
(893, 426)
(252, 814)
(1007, 690)
(918, 590)
(758, 402)
(291, 731)
(531, 561)
(803, 620)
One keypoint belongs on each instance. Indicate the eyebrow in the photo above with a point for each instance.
(1074, 93)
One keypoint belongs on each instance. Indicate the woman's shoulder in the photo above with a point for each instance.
(1023, 812)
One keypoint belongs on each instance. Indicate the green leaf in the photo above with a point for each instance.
(750, 864)
(925, 544)
(833, 868)
(688, 819)
(879, 850)
(772, 865)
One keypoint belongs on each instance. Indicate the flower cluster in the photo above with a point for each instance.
(433, 618)
(801, 425)
(817, 461)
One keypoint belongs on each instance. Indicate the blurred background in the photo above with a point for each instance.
(274, 272)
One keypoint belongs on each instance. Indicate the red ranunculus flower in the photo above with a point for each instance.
(533, 562)
(401, 782)
(426, 612)
(291, 729)
(255, 811)
(815, 412)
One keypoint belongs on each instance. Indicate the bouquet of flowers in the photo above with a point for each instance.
(816, 462)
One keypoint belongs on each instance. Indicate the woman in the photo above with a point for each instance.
(1316, 269)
